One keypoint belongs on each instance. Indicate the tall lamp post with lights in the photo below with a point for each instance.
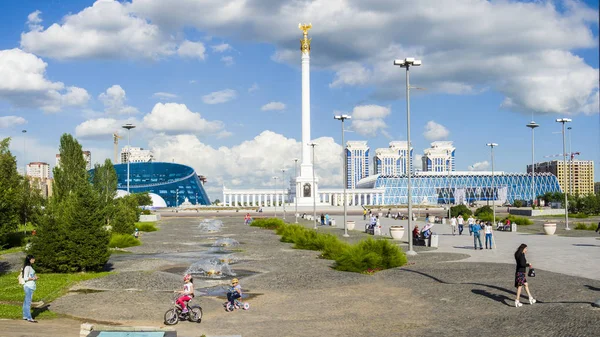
(283, 190)
(563, 121)
(345, 170)
(24, 153)
(313, 186)
(571, 168)
(532, 125)
(492, 146)
(407, 63)
(276, 201)
(295, 189)
(129, 126)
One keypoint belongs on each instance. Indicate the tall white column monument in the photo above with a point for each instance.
(305, 191)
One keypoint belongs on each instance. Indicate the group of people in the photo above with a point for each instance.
(475, 229)
(324, 219)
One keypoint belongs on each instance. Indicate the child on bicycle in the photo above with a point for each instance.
(186, 294)
(235, 292)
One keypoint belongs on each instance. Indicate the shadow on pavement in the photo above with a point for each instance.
(4, 267)
(498, 298)
(592, 288)
(585, 245)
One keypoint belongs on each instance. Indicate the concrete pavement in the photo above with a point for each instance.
(576, 256)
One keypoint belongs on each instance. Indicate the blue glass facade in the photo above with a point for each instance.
(173, 182)
(428, 188)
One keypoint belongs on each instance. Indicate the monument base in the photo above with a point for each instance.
(305, 191)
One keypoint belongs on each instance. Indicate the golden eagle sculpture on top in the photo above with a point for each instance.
(305, 42)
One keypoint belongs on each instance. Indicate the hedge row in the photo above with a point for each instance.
(364, 257)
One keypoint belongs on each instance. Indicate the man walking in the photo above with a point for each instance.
(461, 224)
(453, 224)
(470, 221)
(476, 235)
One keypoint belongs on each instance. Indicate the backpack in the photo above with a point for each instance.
(20, 278)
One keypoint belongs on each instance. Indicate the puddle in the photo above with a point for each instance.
(86, 291)
(221, 292)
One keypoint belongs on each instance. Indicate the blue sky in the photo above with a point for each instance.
(487, 67)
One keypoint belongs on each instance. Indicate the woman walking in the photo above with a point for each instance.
(520, 279)
(30, 278)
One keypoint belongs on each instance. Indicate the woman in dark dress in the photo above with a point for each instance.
(520, 279)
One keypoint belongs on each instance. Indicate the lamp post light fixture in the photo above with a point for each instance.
(407, 63)
(532, 125)
(283, 190)
(563, 121)
(312, 190)
(571, 169)
(296, 186)
(176, 196)
(345, 170)
(129, 126)
(24, 153)
(275, 203)
(492, 145)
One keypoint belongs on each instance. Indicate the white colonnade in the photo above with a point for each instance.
(333, 197)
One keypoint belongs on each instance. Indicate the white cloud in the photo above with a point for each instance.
(418, 162)
(34, 20)
(228, 60)
(164, 95)
(522, 49)
(24, 84)
(98, 128)
(253, 87)
(273, 106)
(10, 121)
(480, 166)
(173, 118)
(193, 81)
(367, 120)
(220, 48)
(191, 49)
(114, 101)
(107, 29)
(435, 131)
(245, 165)
(217, 97)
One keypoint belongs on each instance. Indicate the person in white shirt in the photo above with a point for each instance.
(488, 235)
(461, 225)
(471, 221)
(29, 287)
(453, 224)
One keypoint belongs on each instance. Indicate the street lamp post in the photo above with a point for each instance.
(407, 63)
(532, 125)
(313, 186)
(571, 169)
(345, 170)
(492, 145)
(24, 153)
(128, 126)
(176, 195)
(275, 203)
(283, 190)
(563, 121)
(296, 187)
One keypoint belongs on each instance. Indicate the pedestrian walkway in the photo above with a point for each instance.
(576, 256)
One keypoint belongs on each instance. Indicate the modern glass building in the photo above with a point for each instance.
(460, 187)
(173, 182)
(357, 155)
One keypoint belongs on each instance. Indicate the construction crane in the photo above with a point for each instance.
(116, 138)
(572, 155)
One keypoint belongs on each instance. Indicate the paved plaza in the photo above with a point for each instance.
(451, 291)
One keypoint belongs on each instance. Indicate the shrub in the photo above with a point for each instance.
(487, 217)
(460, 210)
(146, 212)
(518, 203)
(519, 220)
(586, 227)
(146, 226)
(123, 241)
(124, 216)
(483, 210)
(579, 216)
(267, 223)
(370, 255)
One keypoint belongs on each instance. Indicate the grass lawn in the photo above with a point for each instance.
(11, 250)
(49, 288)
(146, 226)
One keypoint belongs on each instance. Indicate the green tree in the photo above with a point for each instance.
(71, 236)
(125, 215)
(484, 210)
(10, 188)
(460, 210)
(104, 182)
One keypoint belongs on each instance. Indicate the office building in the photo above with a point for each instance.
(392, 161)
(357, 153)
(38, 170)
(87, 155)
(136, 155)
(580, 175)
(439, 157)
